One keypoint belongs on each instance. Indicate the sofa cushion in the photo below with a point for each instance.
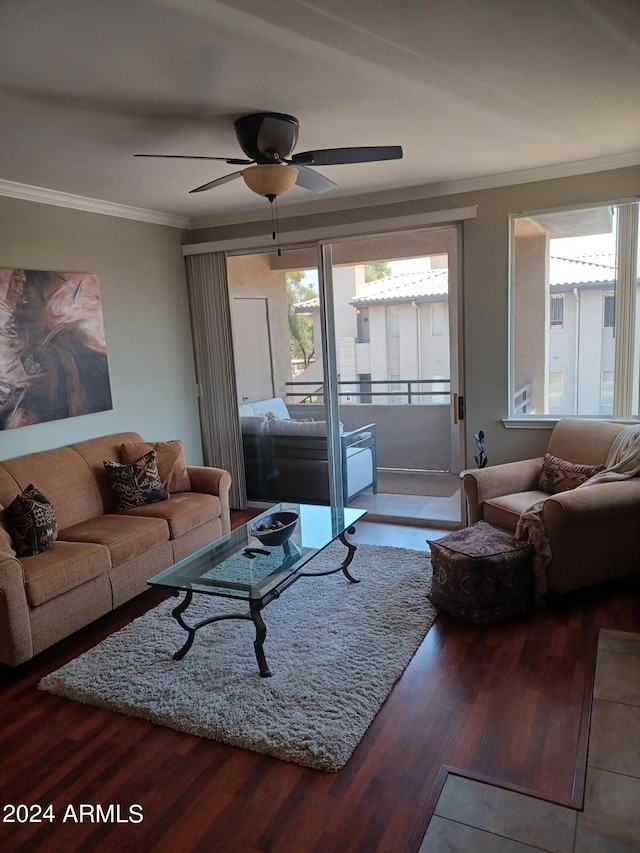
(504, 511)
(170, 460)
(135, 484)
(31, 521)
(125, 536)
(61, 475)
(183, 513)
(61, 568)
(558, 475)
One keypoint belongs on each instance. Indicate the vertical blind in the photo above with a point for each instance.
(213, 349)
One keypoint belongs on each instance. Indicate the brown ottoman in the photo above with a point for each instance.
(482, 575)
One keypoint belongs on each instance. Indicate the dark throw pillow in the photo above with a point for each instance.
(136, 484)
(558, 475)
(31, 521)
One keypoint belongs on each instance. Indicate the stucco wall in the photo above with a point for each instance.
(146, 319)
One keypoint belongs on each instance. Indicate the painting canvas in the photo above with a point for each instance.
(53, 355)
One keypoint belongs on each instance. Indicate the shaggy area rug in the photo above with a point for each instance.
(335, 650)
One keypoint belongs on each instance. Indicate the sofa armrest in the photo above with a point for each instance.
(593, 505)
(16, 644)
(593, 534)
(213, 481)
(485, 483)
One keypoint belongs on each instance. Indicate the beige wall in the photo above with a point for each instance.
(146, 319)
(486, 276)
(146, 312)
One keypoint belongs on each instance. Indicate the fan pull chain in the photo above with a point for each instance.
(274, 221)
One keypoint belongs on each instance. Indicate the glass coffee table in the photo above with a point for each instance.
(239, 566)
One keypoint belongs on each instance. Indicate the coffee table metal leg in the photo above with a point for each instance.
(347, 560)
(261, 633)
(177, 615)
(344, 565)
(254, 615)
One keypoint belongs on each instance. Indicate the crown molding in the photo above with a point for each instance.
(443, 188)
(42, 195)
(90, 205)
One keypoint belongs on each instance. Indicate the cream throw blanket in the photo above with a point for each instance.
(623, 461)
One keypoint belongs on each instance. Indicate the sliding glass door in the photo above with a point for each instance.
(346, 366)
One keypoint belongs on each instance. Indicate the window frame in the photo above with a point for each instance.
(528, 420)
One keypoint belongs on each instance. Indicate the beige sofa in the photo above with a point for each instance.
(100, 558)
(594, 533)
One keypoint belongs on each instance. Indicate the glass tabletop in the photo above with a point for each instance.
(226, 568)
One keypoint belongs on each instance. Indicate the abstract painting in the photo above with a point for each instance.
(53, 354)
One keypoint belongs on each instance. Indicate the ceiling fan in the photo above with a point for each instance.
(268, 140)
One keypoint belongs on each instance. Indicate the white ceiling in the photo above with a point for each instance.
(472, 89)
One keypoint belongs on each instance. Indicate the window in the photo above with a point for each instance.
(606, 390)
(609, 311)
(393, 321)
(437, 319)
(556, 388)
(362, 325)
(575, 270)
(395, 388)
(556, 312)
(365, 388)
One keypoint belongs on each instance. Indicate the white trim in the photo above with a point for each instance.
(334, 232)
(435, 190)
(90, 205)
(353, 202)
(529, 423)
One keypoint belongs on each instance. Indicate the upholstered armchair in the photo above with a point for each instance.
(593, 533)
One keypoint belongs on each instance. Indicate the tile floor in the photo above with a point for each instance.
(414, 508)
(479, 818)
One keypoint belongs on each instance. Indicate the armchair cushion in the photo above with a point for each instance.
(504, 511)
(558, 475)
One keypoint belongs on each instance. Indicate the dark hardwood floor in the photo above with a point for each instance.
(508, 703)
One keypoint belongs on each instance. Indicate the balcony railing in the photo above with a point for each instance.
(523, 399)
(399, 390)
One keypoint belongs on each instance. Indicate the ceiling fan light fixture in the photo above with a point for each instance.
(270, 180)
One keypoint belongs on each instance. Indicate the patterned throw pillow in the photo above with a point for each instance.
(31, 521)
(136, 484)
(170, 460)
(558, 475)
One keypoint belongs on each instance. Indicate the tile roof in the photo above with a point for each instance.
(582, 269)
(585, 268)
(405, 286)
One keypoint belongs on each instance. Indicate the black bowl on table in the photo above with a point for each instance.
(272, 535)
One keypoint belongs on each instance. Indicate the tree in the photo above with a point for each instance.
(380, 269)
(300, 325)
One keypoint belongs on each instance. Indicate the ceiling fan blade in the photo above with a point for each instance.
(218, 182)
(337, 156)
(314, 181)
(232, 161)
